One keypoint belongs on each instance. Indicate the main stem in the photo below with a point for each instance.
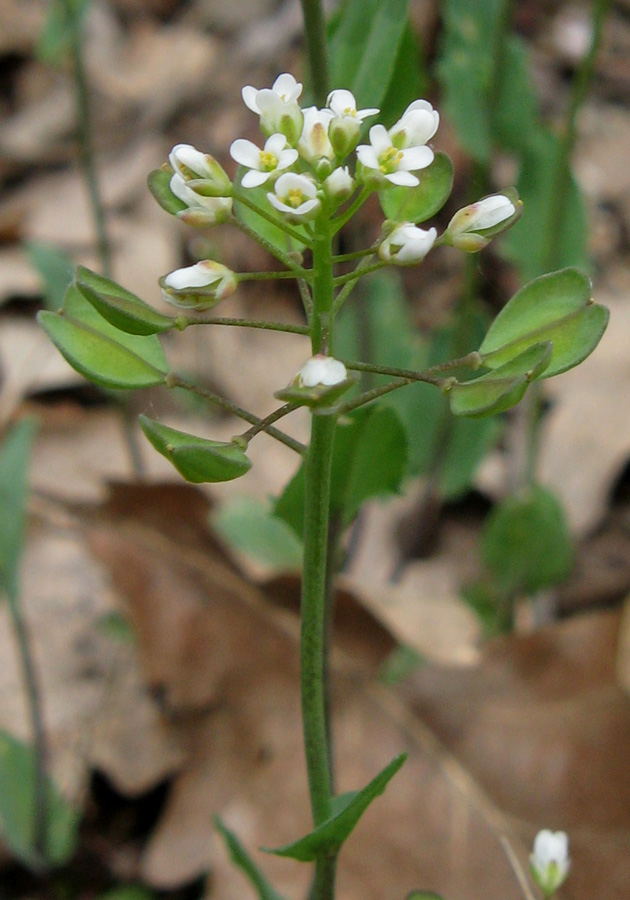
(314, 642)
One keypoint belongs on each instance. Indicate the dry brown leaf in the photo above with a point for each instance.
(545, 729)
(224, 662)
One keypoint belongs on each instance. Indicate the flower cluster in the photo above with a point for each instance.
(304, 170)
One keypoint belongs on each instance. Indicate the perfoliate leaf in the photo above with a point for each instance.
(417, 204)
(557, 308)
(319, 398)
(17, 797)
(328, 838)
(159, 182)
(15, 453)
(197, 459)
(526, 542)
(119, 306)
(369, 459)
(241, 858)
(502, 388)
(101, 352)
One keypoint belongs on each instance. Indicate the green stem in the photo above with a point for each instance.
(40, 748)
(273, 220)
(269, 276)
(347, 214)
(470, 361)
(174, 381)
(317, 48)
(562, 176)
(347, 289)
(314, 640)
(84, 135)
(359, 271)
(243, 323)
(263, 424)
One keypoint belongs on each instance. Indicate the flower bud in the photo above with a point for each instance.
(406, 244)
(200, 286)
(314, 144)
(416, 126)
(472, 227)
(339, 184)
(550, 863)
(320, 369)
(200, 171)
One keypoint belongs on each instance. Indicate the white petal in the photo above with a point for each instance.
(305, 208)
(246, 153)
(416, 158)
(367, 156)
(340, 101)
(404, 179)
(291, 181)
(322, 370)
(253, 178)
(198, 275)
(249, 95)
(379, 139)
(365, 113)
(287, 87)
(275, 144)
(287, 158)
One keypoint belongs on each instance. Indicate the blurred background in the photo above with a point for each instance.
(161, 618)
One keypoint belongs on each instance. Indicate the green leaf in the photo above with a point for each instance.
(410, 79)
(502, 388)
(15, 453)
(369, 459)
(250, 526)
(101, 352)
(120, 307)
(274, 234)
(241, 858)
(364, 48)
(55, 269)
(466, 68)
(64, 18)
(159, 182)
(417, 204)
(327, 839)
(196, 458)
(516, 120)
(557, 308)
(526, 542)
(17, 797)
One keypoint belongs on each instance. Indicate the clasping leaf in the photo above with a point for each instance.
(327, 838)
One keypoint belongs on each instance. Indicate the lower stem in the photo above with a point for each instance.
(323, 887)
(313, 630)
(40, 749)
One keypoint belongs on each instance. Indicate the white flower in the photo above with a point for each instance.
(314, 143)
(199, 286)
(550, 861)
(464, 228)
(191, 165)
(343, 105)
(385, 161)
(321, 369)
(339, 184)
(416, 126)
(295, 197)
(406, 244)
(345, 127)
(277, 107)
(274, 157)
